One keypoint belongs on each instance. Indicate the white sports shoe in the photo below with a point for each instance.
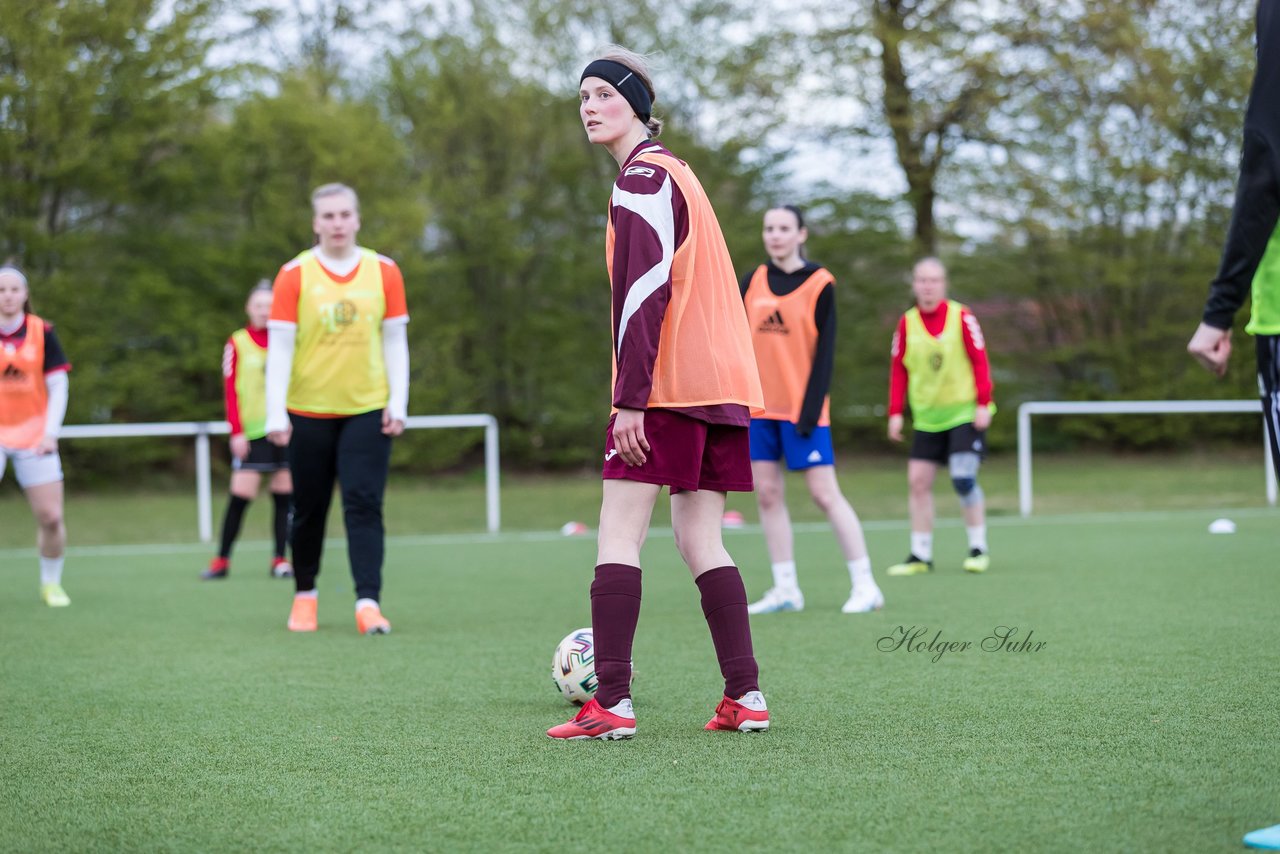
(775, 601)
(864, 599)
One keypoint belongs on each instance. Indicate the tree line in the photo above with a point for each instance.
(1073, 163)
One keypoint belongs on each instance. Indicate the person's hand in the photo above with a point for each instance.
(391, 426)
(982, 417)
(895, 428)
(240, 446)
(280, 438)
(804, 429)
(1211, 347)
(47, 445)
(628, 436)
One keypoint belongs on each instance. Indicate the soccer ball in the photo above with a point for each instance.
(573, 668)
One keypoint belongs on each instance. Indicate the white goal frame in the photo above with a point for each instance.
(202, 430)
(1126, 407)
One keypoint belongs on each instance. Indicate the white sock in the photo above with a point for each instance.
(977, 537)
(622, 708)
(922, 545)
(360, 603)
(307, 594)
(51, 570)
(860, 572)
(784, 575)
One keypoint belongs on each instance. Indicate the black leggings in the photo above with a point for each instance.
(1269, 389)
(353, 451)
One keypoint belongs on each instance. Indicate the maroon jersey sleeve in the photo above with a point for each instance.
(55, 359)
(650, 221)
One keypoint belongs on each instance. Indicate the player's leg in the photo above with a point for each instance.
(47, 505)
(695, 519)
(775, 519)
(282, 505)
(824, 489)
(1268, 347)
(312, 450)
(966, 449)
(625, 511)
(244, 488)
(363, 457)
(44, 491)
(723, 463)
(928, 453)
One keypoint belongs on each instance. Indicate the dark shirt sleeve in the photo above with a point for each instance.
(824, 356)
(54, 357)
(1257, 204)
(745, 283)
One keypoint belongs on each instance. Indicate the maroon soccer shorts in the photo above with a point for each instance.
(686, 454)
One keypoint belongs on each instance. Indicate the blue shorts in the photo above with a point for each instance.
(772, 440)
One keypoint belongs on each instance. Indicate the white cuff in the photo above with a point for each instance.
(281, 339)
(395, 353)
(56, 409)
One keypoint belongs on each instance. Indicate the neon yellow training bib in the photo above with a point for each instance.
(251, 383)
(338, 367)
(940, 386)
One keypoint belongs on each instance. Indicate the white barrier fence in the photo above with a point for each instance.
(1126, 407)
(202, 430)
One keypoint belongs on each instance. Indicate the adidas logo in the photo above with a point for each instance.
(815, 457)
(13, 374)
(774, 323)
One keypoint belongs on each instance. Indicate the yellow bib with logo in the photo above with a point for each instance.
(251, 383)
(940, 386)
(338, 367)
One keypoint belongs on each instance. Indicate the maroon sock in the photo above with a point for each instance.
(615, 609)
(724, 602)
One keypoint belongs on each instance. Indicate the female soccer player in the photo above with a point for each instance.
(33, 402)
(791, 309)
(939, 366)
(244, 372)
(338, 384)
(685, 385)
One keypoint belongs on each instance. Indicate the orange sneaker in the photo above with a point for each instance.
(748, 713)
(595, 721)
(369, 621)
(302, 617)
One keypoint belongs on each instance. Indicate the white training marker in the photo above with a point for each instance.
(1222, 526)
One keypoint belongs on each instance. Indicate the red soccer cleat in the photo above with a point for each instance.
(748, 713)
(219, 568)
(597, 722)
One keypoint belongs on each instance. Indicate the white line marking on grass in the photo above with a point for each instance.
(160, 549)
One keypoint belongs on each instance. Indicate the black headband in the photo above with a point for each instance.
(625, 81)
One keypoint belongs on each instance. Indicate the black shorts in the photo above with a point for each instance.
(938, 447)
(263, 456)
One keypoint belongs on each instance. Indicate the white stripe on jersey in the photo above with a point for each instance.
(655, 210)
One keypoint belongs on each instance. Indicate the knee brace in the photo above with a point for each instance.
(964, 477)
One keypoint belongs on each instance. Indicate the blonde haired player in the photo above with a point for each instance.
(685, 385)
(244, 371)
(939, 366)
(337, 392)
(33, 403)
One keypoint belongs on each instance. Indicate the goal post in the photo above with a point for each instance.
(1127, 407)
(202, 430)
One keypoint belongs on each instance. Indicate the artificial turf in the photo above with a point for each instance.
(162, 713)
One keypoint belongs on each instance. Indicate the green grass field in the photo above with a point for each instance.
(161, 714)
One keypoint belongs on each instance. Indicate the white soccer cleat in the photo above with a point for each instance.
(776, 601)
(864, 599)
